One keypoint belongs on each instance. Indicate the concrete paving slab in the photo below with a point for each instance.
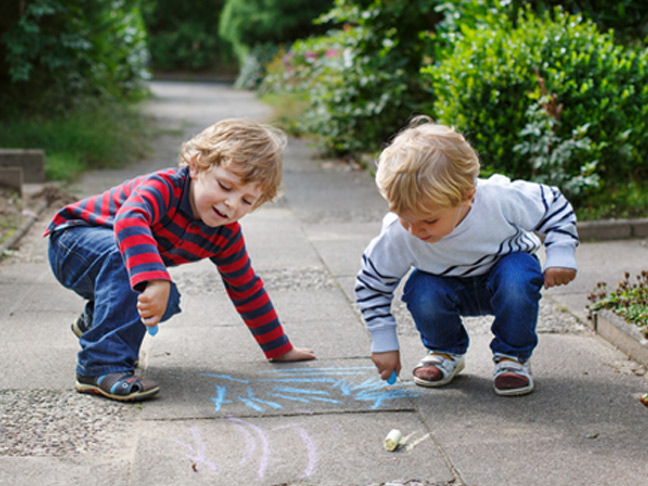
(40, 352)
(323, 450)
(251, 388)
(567, 432)
(341, 244)
(275, 240)
(71, 472)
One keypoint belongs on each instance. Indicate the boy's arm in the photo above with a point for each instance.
(144, 206)
(555, 219)
(247, 292)
(384, 263)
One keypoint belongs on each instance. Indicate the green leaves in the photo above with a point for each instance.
(59, 50)
(489, 89)
(629, 300)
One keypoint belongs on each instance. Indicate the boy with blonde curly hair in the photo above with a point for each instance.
(113, 250)
(472, 246)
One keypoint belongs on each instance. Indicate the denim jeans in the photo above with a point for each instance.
(510, 291)
(86, 259)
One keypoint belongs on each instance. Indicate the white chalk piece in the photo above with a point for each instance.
(393, 439)
(152, 330)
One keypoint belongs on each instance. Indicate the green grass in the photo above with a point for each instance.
(93, 136)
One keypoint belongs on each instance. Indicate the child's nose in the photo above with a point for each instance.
(417, 230)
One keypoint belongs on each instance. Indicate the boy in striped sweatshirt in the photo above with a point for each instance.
(113, 249)
(471, 245)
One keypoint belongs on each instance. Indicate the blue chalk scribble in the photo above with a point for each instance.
(310, 385)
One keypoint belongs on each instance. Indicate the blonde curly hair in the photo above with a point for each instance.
(252, 150)
(427, 165)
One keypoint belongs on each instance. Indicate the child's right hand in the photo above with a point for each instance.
(387, 363)
(152, 302)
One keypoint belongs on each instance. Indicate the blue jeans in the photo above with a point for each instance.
(510, 291)
(86, 259)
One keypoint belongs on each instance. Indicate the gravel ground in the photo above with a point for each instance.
(60, 423)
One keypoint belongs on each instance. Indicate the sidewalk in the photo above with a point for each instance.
(227, 417)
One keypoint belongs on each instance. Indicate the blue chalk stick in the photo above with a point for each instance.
(152, 330)
(392, 379)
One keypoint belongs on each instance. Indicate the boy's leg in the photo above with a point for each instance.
(435, 305)
(514, 285)
(87, 260)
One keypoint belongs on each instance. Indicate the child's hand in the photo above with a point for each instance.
(387, 363)
(152, 302)
(295, 354)
(558, 276)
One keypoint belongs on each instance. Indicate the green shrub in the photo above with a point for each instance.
(360, 78)
(54, 52)
(628, 18)
(485, 89)
(184, 36)
(246, 23)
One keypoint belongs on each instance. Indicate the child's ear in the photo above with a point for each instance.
(471, 194)
(192, 167)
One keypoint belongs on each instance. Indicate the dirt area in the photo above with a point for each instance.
(15, 211)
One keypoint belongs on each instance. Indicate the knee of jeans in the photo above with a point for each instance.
(424, 298)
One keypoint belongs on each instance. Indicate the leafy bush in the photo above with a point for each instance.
(360, 78)
(486, 87)
(54, 51)
(246, 23)
(628, 18)
(549, 155)
(184, 36)
(629, 300)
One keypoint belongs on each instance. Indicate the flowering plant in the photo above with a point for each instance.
(629, 300)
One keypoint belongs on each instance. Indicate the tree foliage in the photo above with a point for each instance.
(184, 36)
(247, 23)
(54, 51)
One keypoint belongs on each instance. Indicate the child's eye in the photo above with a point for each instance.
(432, 221)
(223, 186)
(247, 201)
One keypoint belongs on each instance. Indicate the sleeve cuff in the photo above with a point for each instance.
(561, 256)
(383, 340)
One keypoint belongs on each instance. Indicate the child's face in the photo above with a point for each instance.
(219, 196)
(435, 224)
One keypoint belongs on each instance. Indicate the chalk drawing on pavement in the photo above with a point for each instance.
(257, 448)
(285, 387)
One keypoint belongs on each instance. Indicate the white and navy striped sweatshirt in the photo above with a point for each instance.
(504, 218)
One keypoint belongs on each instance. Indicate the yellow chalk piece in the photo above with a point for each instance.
(392, 440)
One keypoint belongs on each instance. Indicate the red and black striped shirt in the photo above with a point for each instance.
(154, 228)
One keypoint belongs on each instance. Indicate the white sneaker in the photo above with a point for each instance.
(438, 369)
(512, 377)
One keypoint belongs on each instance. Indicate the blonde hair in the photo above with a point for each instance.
(426, 165)
(252, 150)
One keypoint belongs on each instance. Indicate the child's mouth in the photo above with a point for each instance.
(224, 216)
